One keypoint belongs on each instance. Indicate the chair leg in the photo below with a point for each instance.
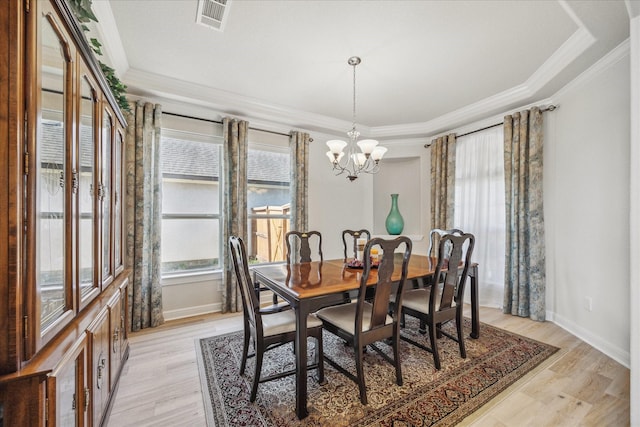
(346, 297)
(360, 373)
(256, 375)
(434, 344)
(396, 357)
(463, 351)
(245, 350)
(423, 326)
(320, 359)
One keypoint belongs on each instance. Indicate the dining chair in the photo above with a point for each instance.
(443, 300)
(267, 328)
(434, 243)
(350, 241)
(299, 246)
(363, 323)
(434, 238)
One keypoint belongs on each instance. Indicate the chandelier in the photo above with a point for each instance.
(355, 157)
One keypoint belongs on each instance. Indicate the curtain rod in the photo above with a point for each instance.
(219, 122)
(549, 108)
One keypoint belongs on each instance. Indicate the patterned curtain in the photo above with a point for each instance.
(443, 174)
(236, 139)
(524, 283)
(144, 213)
(299, 146)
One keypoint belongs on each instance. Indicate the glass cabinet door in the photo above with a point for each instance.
(68, 396)
(51, 176)
(105, 195)
(85, 177)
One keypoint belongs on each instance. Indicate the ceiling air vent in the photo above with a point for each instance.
(213, 13)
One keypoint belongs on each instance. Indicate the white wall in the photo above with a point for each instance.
(635, 217)
(587, 206)
(336, 204)
(191, 296)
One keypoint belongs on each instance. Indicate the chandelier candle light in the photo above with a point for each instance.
(365, 160)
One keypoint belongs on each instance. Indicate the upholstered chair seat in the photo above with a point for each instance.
(285, 321)
(341, 316)
(418, 300)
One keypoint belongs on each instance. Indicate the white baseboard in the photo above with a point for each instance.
(619, 355)
(192, 311)
(181, 313)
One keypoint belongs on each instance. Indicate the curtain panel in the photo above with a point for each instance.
(524, 292)
(144, 214)
(443, 174)
(479, 206)
(234, 171)
(299, 148)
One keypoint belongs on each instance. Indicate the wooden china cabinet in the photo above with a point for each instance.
(63, 290)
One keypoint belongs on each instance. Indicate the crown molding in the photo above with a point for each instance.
(571, 49)
(620, 52)
(279, 118)
(578, 43)
(147, 84)
(109, 36)
(282, 117)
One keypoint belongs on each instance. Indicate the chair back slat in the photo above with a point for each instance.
(298, 242)
(385, 279)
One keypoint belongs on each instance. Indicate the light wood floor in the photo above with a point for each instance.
(578, 386)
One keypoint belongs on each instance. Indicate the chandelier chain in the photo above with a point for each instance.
(354, 96)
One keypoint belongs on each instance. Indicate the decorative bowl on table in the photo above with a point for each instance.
(356, 263)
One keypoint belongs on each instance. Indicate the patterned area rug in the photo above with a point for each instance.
(428, 397)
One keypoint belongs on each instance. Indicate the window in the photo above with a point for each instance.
(191, 152)
(480, 206)
(268, 196)
(192, 157)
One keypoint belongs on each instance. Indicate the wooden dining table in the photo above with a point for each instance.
(310, 286)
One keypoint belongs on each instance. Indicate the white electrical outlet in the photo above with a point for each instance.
(588, 303)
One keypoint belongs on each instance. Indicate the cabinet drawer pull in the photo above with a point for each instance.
(116, 333)
(101, 366)
(75, 182)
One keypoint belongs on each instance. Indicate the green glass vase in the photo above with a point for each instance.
(394, 222)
